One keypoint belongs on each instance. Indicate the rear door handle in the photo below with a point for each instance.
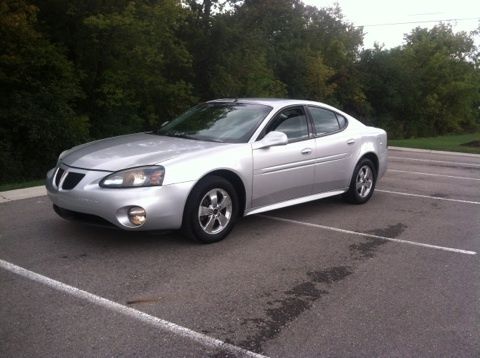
(350, 141)
(306, 151)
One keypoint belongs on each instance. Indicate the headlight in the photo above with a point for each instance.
(135, 177)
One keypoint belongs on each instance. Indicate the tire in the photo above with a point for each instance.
(362, 183)
(205, 220)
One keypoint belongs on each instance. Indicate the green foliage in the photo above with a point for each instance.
(145, 68)
(338, 43)
(21, 184)
(466, 143)
(429, 86)
(319, 82)
(38, 91)
(243, 69)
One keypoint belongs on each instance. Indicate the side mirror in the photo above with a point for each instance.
(271, 139)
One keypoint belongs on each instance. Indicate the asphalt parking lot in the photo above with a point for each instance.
(396, 277)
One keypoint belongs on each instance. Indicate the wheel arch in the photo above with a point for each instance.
(235, 180)
(351, 194)
(373, 157)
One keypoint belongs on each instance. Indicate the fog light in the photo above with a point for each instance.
(137, 215)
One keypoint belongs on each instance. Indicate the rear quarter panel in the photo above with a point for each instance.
(372, 140)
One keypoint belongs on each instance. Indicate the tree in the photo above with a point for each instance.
(313, 52)
(446, 83)
(427, 87)
(144, 69)
(77, 70)
(338, 42)
(39, 89)
(241, 67)
(136, 69)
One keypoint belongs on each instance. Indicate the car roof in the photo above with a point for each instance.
(278, 103)
(273, 102)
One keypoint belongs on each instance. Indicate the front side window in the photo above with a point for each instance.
(217, 122)
(325, 121)
(292, 122)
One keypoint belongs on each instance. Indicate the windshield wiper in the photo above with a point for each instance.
(213, 140)
(186, 136)
(176, 135)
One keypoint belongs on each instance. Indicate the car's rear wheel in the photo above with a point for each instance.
(211, 210)
(362, 183)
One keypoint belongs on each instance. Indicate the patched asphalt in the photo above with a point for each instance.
(272, 287)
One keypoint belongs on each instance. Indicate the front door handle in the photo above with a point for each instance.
(306, 151)
(350, 141)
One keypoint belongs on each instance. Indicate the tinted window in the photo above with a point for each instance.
(218, 122)
(325, 121)
(292, 122)
(342, 121)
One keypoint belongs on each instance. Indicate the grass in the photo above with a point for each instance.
(453, 143)
(20, 185)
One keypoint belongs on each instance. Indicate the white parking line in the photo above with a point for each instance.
(473, 165)
(130, 312)
(371, 236)
(432, 174)
(428, 197)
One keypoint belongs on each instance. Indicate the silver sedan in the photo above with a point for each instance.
(217, 162)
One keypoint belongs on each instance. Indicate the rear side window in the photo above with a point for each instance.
(342, 121)
(325, 121)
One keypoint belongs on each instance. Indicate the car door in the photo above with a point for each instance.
(284, 172)
(333, 150)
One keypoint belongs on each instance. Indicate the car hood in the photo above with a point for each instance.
(132, 150)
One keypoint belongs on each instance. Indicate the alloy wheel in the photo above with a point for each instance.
(215, 211)
(364, 181)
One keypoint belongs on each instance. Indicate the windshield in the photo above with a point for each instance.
(217, 122)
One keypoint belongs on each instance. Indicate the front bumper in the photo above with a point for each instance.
(164, 205)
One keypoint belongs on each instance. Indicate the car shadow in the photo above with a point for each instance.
(110, 236)
(106, 235)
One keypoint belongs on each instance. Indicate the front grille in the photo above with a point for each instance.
(71, 180)
(60, 172)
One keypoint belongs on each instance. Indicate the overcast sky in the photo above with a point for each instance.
(415, 12)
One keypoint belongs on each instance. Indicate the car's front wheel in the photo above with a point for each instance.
(362, 183)
(211, 210)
